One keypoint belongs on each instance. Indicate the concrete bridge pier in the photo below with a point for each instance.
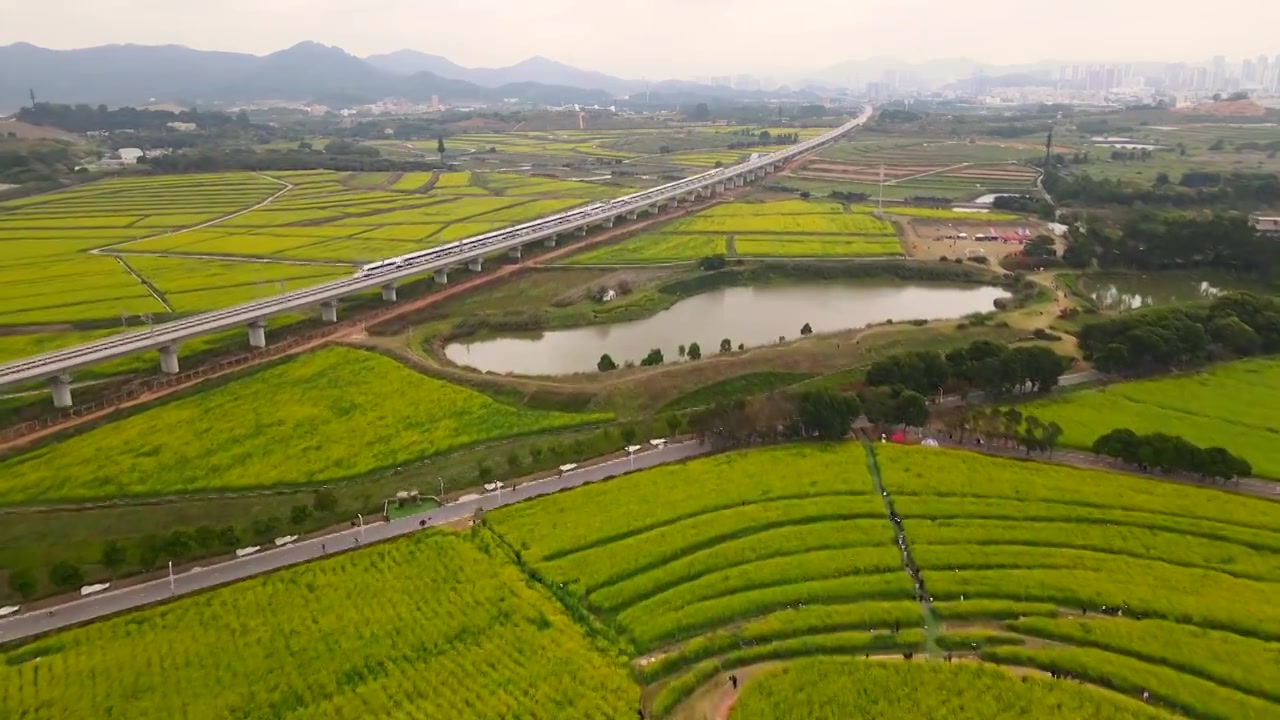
(441, 277)
(61, 391)
(633, 215)
(258, 334)
(607, 223)
(389, 292)
(475, 264)
(515, 253)
(549, 242)
(675, 202)
(580, 232)
(169, 359)
(720, 187)
(655, 209)
(329, 311)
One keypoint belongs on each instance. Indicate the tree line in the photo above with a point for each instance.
(151, 552)
(821, 414)
(985, 366)
(1237, 189)
(1169, 241)
(247, 159)
(1007, 426)
(1231, 326)
(1170, 454)
(83, 118)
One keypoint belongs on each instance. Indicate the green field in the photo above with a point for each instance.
(321, 223)
(829, 689)
(785, 228)
(432, 626)
(1226, 406)
(778, 563)
(335, 413)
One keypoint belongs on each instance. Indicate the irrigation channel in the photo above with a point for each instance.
(904, 547)
(752, 316)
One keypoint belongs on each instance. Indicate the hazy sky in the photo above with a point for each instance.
(672, 38)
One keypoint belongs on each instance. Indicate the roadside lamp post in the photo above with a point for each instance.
(360, 517)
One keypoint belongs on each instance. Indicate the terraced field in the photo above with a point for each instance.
(1187, 573)
(431, 626)
(779, 565)
(783, 553)
(787, 228)
(1226, 406)
(336, 412)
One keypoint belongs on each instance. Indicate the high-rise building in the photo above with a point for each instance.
(1200, 78)
(1218, 77)
(1248, 71)
(1264, 71)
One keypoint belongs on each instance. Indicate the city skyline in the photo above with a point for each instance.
(659, 38)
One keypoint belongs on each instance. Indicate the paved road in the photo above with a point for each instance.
(111, 602)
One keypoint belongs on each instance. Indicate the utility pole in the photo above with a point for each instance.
(880, 208)
(1048, 149)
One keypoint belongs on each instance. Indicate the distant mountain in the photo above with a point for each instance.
(141, 74)
(534, 70)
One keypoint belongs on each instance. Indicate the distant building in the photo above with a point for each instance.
(129, 156)
(182, 126)
(1269, 225)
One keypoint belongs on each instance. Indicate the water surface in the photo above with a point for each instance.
(752, 316)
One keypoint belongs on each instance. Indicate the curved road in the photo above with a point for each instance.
(111, 602)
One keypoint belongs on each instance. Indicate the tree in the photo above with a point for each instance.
(206, 537)
(228, 536)
(629, 434)
(535, 454)
(695, 351)
(483, 472)
(440, 147)
(513, 461)
(806, 330)
(1052, 433)
(65, 575)
(23, 582)
(299, 514)
(701, 113)
(673, 423)
(179, 544)
(827, 412)
(726, 346)
(606, 363)
(681, 351)
(324, 501)
(114, 556)
(653, 358)
(742, 346)
(911, 409)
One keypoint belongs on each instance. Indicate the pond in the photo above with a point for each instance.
(1129, 292)
(753, 316)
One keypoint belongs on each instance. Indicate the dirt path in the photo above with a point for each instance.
(210, 223)
(1076, 458)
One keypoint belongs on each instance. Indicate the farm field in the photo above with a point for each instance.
(1226, 406)
(780, 553)
(829, 688)
(785, 228)
(322, 223)
(338, 412)
(778, 563)
(1187, 572)
(918, 167)
(347, 636)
